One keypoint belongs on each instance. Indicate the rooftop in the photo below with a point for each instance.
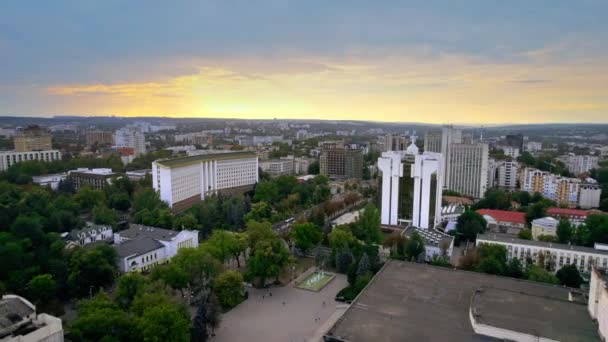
(137, 247)
(13, 311)
(417, 302)
(175, 162)
(431, 236)
(506, 238)
(504, 215)
(136, 231)
(457, 200)
(571, 212)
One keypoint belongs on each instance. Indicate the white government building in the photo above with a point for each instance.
(420, 179)
(561, 254)
(182, 182)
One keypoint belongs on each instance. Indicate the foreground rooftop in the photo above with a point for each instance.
(417, 302)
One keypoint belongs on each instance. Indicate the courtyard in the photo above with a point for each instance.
(283, 314)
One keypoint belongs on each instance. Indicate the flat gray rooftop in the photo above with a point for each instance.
(498, 237)
(540, 316)
(417, 302)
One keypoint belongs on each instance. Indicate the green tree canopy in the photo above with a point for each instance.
(306, 235)
(569, 276)
(228, 287)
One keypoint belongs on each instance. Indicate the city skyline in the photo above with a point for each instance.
(437, 62)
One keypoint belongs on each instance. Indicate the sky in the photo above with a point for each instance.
(475, 62)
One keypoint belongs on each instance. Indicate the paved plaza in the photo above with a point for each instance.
(267, 319)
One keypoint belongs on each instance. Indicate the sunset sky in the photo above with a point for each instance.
(409, 61)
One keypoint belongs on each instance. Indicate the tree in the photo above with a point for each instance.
(367, 228)
(225, 245)
(41, 288)
(514, 269)
(441, 261)
(268, 260)
(536, 273)
(525, 234)
(128, 286)
(492, 259)
(185, 221)
(305, 235)
(120, 201)
(200, 266)
(569, 276)
(165, 323)
(341, 236)
(313, 168)
(259, 231)
(198, 331)
(104, 215)
(266, 192)
(228, 287)
(87, 198)
(91, 269)
(469, 224)
(414, 247)
(172, 275)
(364, 265)
(536, 210)
(260, 211)
(344, 258)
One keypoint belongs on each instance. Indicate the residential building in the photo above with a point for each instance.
(339, 161)
(467, 169)
(556, 255)
(52, 181)
(545, 226)
(579, 164)
(533, 146)
(515, 140)
(589, 196)
(277, 167)
(395, 142)
(8, 158)
(436, 243)
(182, 182)
(32, 138)
(492, 172)
(510, 151)
(507, 175)
(89, 234)
(408, 301)
(198, 138)
(7, 133)
(563, 190)
(99, 138)
(449, 137)
(603, 152)
(131, 136)
(95, 178)
(140, 247)
(411, 187)
(598, 300)
(504, 221)
(19, 322)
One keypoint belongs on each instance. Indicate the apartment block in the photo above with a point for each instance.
(32, 138)
(341, 162)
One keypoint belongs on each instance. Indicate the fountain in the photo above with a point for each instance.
(315, 281)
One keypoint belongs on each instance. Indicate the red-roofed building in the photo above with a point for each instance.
(504, 221)
(575, 216)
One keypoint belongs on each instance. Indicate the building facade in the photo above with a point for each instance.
(8, 158)
(467, 169)
(339, 161)
(95, 178)
(411, 187)
(141, 248)
(555, 255)
(504, 221)
(579, 164)
(278, 167)
(544, 226)
(131, 136)
(32, 138)
(508, 172)
(589, 196)
(89, 234)
(100, 138)
(432, 142)
(567, 191)
(182, 182)
(598, 300)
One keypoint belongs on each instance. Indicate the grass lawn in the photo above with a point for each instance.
(317, 285)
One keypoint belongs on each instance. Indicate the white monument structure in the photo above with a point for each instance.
(411, 187)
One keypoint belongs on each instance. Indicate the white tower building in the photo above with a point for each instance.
(420, 178)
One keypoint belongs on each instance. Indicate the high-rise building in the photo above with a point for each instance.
(493, 165)
(432, 142)
(99, 137)
(507, 174)
(411, 187)
(515, 140)
(395, 142)
(449, 137)
(589, 196)
(579, 164)
(32, 138)
(182, 182)
(467, 169)
(131, 136)
(339, 161)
